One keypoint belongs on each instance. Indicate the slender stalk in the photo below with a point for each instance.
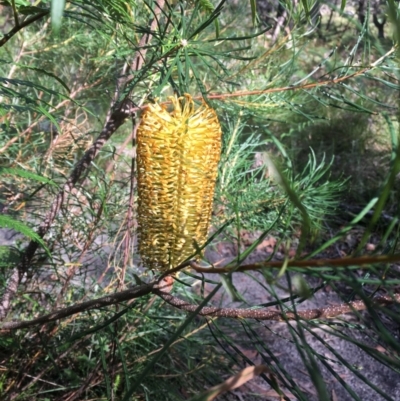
(162, 288)
(272, 313)
(341, 262)
(115, 118)
(22, 25)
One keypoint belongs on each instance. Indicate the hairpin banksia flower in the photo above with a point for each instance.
(177, 156)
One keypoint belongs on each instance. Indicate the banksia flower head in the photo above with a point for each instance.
(177, 156)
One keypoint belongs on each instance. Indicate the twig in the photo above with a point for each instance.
(115, 118)
(15, 13)
(22, 25)
(273, 314)
(162, 288)
(340, 262)
(279, 23)
(90, 239)
(130, 208)
(112, 299)
(310, 85)
(41, 374)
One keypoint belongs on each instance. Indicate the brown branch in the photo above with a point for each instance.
(310, 85)
(72, 96)
(130, 208)
(273, 314)
(22, 25)
(162, 288)
(139, 57)
(47, 367)
(134, 292)
(115, 118)
(163, 283)
(341, 262)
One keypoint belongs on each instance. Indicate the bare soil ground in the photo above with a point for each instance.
(276, 335)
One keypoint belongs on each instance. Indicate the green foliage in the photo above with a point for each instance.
(253, 187)
(9, 256)
(9, 222)
(25, 174)
(308, 126)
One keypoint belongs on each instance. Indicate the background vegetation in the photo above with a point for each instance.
(307, 95)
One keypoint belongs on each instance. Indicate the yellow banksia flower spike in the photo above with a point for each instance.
(177, 156)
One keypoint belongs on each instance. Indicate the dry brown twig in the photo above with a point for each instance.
(163, 286)
(273, 314)
(360, 262)
(22, 25)
(107, 300)
(308, 85)
(115, 118)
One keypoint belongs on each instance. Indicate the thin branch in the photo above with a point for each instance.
(112, 299)
(341, 262)
(115, 118)
(162, 288)
(139, 57)
(44, 370)
(72, 96)
(310, 85)
(120, 150)
(22, 25)
(129, 213)
(15, 13)
(273, 314)
(279, 24)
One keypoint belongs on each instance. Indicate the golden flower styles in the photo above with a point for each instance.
(177, 155)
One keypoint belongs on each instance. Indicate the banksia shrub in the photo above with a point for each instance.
(177, 156)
